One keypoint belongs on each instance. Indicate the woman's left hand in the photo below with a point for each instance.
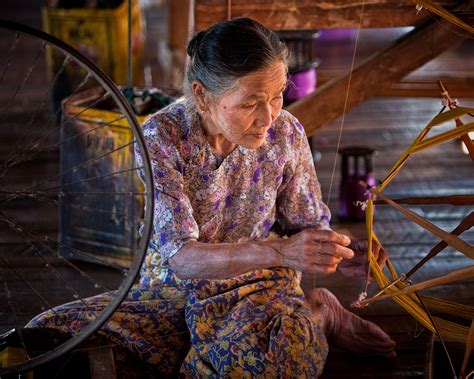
(358, 266)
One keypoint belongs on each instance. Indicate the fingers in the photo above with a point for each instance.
(378, 252)
(323, 263)
(335, 250)
(359, 244)
(322, 269)
(322, 235)
(325, 259)
(382, 258)
(329, 242)
(323, 250)
(375, 250)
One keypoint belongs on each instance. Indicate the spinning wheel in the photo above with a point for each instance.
(72, 209)
(449, 320)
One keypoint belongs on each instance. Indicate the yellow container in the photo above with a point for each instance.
(101, 35)
(13, 356)
(108, 238)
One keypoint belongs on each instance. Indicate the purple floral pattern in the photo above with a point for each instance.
(255, 325)
(201, 196)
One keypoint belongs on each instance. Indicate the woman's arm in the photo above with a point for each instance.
(312, 250)
(299, 201)
(223, 260)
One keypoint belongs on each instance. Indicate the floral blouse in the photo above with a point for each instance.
(202, 196)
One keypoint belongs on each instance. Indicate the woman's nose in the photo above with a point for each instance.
(265, 116)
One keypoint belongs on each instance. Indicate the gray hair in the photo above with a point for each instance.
(230, 50)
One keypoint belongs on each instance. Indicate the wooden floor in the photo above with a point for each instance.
(387, 124)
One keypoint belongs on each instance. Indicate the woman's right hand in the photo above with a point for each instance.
(314, 251)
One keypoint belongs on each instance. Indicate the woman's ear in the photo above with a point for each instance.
(200, 95)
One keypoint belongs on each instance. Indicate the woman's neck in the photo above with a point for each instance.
(218, 142)
(220, 145)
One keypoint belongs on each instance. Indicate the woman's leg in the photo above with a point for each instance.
(149, 323)
(257, 325)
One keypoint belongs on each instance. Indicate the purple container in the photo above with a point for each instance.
(357, 164)
(333, 35)
(301, 83)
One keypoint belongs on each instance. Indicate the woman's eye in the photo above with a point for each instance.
(249, 106)
(277, 99)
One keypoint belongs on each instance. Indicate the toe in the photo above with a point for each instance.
(391, 354)
(376, 333)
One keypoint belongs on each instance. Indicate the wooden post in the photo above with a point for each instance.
(181, 23)
(101, 363)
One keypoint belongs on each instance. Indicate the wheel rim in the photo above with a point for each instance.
(73, 56)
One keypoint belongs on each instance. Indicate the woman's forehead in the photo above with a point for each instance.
(269, 80)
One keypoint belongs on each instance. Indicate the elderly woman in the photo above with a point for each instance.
(231, 169)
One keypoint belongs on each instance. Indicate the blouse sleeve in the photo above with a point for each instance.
(173, 223)
(299, 202)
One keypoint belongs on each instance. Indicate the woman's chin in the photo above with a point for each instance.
(255, 143)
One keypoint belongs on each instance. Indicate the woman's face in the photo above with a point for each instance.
(244, 114)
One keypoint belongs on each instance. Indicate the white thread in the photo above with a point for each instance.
(362, 204)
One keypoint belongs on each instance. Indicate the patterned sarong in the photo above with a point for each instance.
(255, 325)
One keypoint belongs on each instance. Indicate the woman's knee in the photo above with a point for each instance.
(43, 320)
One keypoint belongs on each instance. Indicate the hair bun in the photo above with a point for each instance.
(193, 45)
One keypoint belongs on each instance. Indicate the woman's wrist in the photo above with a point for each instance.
(273, 252)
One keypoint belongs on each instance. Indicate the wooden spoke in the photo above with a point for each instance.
(453, 105)
(450, 239)
(465, 224)
(433, 200)
(443, 137)
(468, 352)
(461, 274)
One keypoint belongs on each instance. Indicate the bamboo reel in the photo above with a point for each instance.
(396, 286)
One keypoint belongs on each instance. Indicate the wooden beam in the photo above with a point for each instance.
(310, 14)
(419, 85)
(375, 74)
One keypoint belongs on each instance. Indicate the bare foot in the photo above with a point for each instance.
(347, 331)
